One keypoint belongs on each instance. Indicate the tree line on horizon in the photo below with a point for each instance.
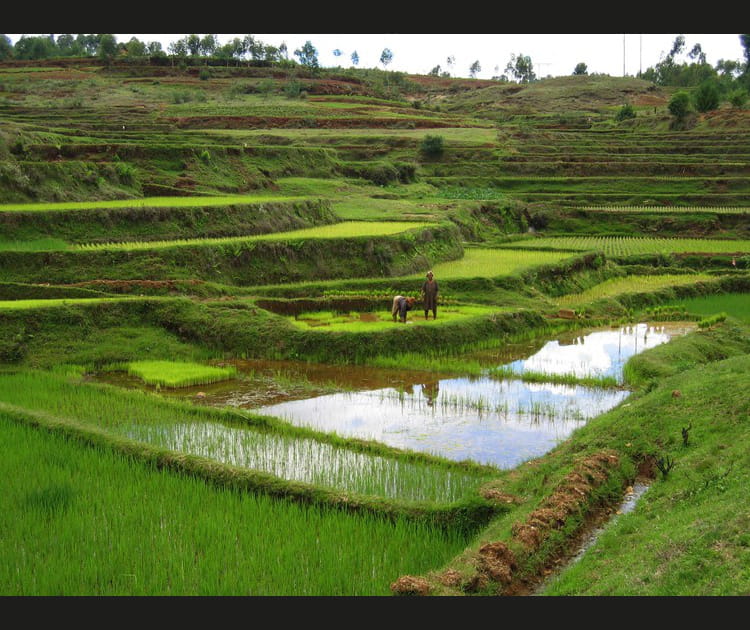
(679, 68)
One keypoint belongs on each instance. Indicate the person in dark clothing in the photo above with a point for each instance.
(401, 305)
(429, 296)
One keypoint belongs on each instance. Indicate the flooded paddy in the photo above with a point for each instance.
(497, 421)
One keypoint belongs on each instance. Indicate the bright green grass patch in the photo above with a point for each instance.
(66, 506)
(735, 304)
(383, 320)
(491, 263)
(147, 202)
(345, 229)
(632, 284)
(634, 245)
(178, 374)
(57, 302)
(670, 209)
(460, 135)
(37, 245)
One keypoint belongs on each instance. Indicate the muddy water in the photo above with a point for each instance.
(502, 422)
(491, 421)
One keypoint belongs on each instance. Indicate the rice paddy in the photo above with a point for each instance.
(91, 522)
(634, 245)
(492, 263)
(346, 229)
(383, 320)
(178, 374)
(238, 440)
(632, 284)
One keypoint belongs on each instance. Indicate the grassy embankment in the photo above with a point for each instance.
(184, 137)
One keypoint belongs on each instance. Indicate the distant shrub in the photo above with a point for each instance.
(679, 104)
(432, 146)
(625, 112)
(738, 98)
(706, 96)
(293, 89)
(204, 74)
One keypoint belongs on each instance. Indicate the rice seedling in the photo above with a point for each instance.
(734, 304)
(178, 374)
(491, 263)
(68, 506)
(59, 302)
(145, 202)
(345, 229)
(633, 245)
(324, 321)
(240, 439)
(632, 284)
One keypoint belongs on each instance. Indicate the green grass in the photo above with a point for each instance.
(631, 284)
(633, 245)
(735, 304)
(230, 443)
(145, 202)
(178, 374)
(325, 321)
(61, 302)
(493, 263)
(346, 229)
(89, 522)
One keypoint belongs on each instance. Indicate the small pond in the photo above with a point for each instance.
(490, 420)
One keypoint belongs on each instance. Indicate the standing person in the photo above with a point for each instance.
(401, 305)
(429, 296)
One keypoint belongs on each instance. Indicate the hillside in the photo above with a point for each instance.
(179, 216)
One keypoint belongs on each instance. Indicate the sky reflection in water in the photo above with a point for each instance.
(499, 422)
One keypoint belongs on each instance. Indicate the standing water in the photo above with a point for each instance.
(485, 419)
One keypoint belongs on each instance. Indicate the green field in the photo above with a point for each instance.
(162, 219)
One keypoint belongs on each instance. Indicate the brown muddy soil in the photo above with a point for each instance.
(496, 563)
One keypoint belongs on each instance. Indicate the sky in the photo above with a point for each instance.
(551, 55)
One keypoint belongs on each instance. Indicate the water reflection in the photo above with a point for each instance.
(597, 354)
(498, 422)
(502, 423)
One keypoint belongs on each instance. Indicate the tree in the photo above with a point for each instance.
(107, 46)
(745, 41)
(355, 58)
(67, 46)
(435, 71)
(193, 44)
(521, 67)
(178, 48)
(386, 57)
(706, 96)
(154, 49)
(208, 45)
(337, 52)
(580, 69)
(135, 48)
(679, 104)
(6, 47)
(475, 67)
(307, 55)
